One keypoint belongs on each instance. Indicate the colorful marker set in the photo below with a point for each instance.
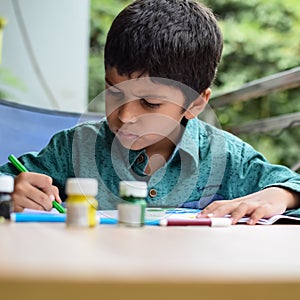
(60, 218)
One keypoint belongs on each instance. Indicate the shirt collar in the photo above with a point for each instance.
(189, 142)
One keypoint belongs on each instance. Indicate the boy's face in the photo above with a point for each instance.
(142, 113)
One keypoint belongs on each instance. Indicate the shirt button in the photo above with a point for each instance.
(140, 159)
(153, 193)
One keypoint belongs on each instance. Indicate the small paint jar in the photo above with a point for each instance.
(81, 202)
(6, 188)
(132, 208)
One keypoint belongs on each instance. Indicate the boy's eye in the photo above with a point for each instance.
(115, 93)
(149, 104)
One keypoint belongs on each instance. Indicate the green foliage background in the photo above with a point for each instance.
(261, 37)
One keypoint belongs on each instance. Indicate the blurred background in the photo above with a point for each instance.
(51, 55)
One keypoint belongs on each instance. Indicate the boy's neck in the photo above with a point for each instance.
(160, 152)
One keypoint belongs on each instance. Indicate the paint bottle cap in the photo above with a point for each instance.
(82, 186)
(133, 189)
(6, 184)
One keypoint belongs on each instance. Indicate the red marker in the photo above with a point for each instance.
(212, 222)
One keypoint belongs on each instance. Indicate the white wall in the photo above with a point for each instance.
(58, 31)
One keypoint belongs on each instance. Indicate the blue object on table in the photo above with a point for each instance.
(60, 218)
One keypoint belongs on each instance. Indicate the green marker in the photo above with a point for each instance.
(58, 207)
(17, 163)
(22, 168)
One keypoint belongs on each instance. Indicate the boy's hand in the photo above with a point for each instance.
(262, 204)
(34, 191)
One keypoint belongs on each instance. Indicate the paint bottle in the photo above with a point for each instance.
(81, 202)
(132, 209)
(6, 188)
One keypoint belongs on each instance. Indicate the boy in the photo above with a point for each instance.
(161, 57)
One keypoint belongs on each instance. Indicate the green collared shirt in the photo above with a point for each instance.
(208, 164)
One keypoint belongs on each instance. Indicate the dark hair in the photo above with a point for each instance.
(174, 39)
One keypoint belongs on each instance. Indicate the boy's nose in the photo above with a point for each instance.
(127, 112)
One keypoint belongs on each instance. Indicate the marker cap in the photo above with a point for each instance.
(133, 189)
(220, 222)
(6, 184)
(82, 186)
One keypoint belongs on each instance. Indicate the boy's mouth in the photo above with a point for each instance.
(124, 134)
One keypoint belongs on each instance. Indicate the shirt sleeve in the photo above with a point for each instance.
(256, 173)
(54, 160)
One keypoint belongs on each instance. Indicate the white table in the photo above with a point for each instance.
(50, 261)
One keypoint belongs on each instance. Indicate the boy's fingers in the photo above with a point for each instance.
(45, 184)
(55, 193)
(240, 211)
(257, 214)
(40, 181)
(39, 197)
(52, 193)
(210, 208)
(21, 202)
(18, 208)
(236, 209)
(218, 209)
(28, 204)
(32, 187)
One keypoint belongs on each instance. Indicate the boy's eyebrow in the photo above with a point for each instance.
(153, 96)
(110, 83)
(163, 98)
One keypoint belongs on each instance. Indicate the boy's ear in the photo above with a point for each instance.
(198, 105)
